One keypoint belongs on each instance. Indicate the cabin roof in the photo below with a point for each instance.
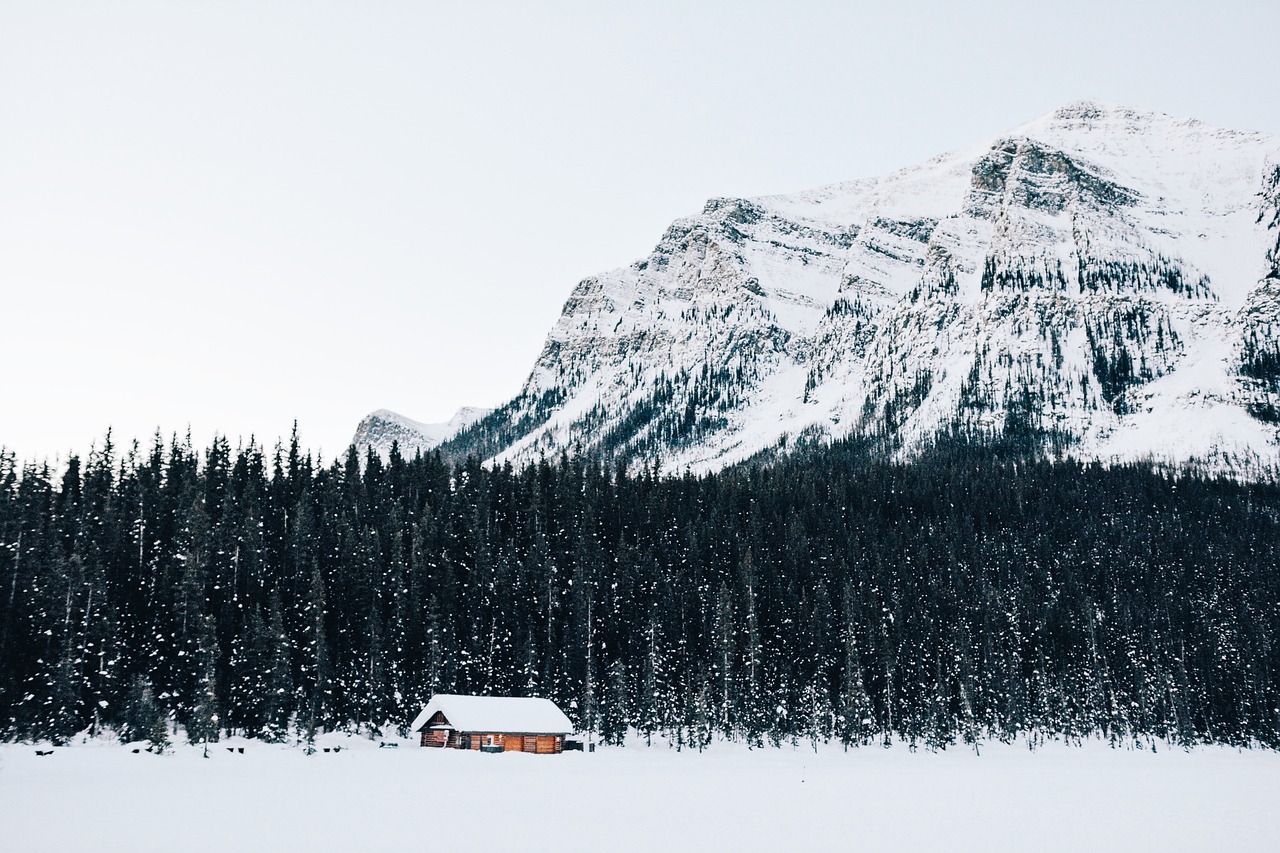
(523, 715)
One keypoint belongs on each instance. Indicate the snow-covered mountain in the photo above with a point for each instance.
(1103, 281)
(383, 428)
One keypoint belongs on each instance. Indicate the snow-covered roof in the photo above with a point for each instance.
(524, 715)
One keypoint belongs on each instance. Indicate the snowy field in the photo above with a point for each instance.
(104, 797)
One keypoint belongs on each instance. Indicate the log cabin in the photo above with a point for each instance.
(492, 724)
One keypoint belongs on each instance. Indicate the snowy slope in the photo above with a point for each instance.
(1101, 281)
(277, 798)
(383, 428)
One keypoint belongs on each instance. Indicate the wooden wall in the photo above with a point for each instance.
(541, 744)
(435, 737)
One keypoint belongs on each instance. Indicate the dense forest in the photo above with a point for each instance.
(825, 595)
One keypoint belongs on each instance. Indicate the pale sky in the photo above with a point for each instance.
(231, 215)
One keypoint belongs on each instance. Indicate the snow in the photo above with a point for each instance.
(1057, 798)
(520, 715)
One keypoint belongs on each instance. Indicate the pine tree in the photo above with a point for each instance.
(202, 724)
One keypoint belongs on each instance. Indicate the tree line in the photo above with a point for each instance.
(829, 594)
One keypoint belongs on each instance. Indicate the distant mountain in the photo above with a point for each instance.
(380, 429)
(1102, 282)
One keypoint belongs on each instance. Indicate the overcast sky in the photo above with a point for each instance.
(231, 215)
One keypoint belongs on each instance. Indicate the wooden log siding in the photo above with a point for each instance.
(540, 744)
(436, 737)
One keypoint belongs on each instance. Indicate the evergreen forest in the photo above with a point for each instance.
(828, 595)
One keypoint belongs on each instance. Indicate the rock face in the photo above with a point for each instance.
(1103, 282)
(383, 428)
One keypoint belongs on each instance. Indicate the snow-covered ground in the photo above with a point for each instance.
(105, 797)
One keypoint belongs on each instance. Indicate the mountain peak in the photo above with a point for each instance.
(382, 428)
(1113, 122)
(1101, 119)
(1092, 108)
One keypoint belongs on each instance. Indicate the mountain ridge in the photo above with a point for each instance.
(1101, 281)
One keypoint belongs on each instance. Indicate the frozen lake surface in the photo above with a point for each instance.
(100, 796)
